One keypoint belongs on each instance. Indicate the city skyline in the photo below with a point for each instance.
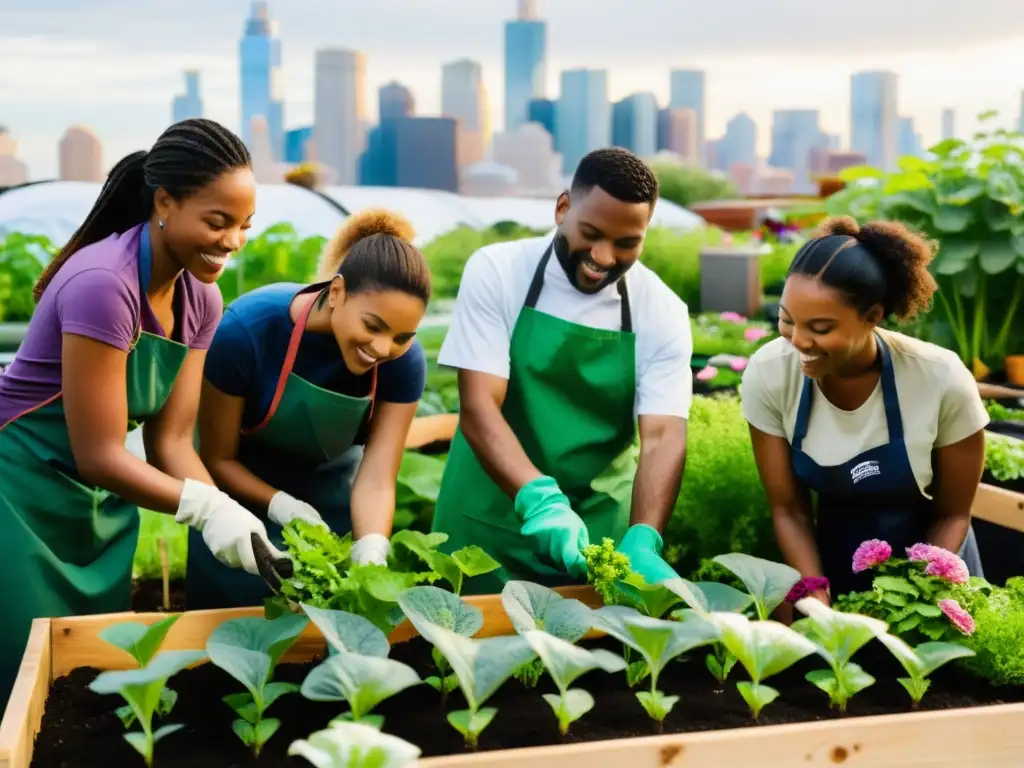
(129, 106)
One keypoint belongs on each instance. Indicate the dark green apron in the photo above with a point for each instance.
(67, 547)
(304, 447)
(570, 402)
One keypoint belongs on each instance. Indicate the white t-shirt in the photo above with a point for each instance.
(938, 398)
(493, 290)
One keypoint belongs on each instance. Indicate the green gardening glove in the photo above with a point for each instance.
(643, 545)
(557, 534)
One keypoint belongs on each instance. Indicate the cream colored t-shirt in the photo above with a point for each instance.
(938, 399)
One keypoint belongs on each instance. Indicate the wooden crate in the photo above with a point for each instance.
(979, 737)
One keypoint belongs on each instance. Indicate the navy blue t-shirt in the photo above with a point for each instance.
(248, 351)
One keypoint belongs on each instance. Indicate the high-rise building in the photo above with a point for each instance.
(526, 42)
(739, 143)
(686, 91)
(584, 115)
(677, 133)
(81, 156)
(262, 84)
(910, 139)
(874, 124)
(188, 104)
(295, 143)
(948, 124)
(12, 170)
(635, 124)
(419, 152)
(545, 112)
(530, 151)
(464, 98)
(394, 101)
(795, 134)
(339, 111)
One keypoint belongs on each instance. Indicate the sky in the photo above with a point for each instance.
(116, 65)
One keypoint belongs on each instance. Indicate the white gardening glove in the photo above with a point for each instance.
(285, 508)
(226, 525)
(371, 549)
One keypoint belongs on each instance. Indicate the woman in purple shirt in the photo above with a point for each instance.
(125, 315)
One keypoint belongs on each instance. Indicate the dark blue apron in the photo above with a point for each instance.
(872, 496)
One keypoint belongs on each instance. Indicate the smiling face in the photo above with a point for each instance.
(599, 237)
(372, 327)
(202, 230)
(832, 336)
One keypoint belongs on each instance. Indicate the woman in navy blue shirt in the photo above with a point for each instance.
(308, 395)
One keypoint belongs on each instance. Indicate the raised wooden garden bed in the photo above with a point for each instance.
(963, 722)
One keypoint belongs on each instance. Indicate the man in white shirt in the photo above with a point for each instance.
(560, 359)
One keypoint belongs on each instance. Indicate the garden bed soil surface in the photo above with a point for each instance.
(80, 730)
(148, 596)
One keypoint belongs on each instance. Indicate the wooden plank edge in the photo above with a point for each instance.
(999, 506)
(23, 715)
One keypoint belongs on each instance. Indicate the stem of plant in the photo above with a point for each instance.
(1004, 330)
(961, 342)
(979, 318)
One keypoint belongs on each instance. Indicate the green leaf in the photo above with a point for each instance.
(824, 679)
(935, 655)
(439, 607)
(1003, 188)
(243, 705)
(471, 724)
(653, 600)
(266, 729)
(858, 172)
(764, 648)
(767, 581)
(249, 667)
(532, 606)
(895, 598)
(998, 217)
(473, 561)
(245, 731)
(565, 662)
(271, 638)
(757, 696)
(140, 640)
(346, 631)
(362, 681)
(909, 623)
(916, 687)
(657, 640)
(955, 255)
(354, 745)
(929, 611)
(895, 584)
(997, 256)
(949, 218)
(958, 192)
(657, 704)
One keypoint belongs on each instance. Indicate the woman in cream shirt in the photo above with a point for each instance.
(885, 429)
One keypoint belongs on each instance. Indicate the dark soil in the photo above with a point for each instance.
(79, 728)
(148, 596)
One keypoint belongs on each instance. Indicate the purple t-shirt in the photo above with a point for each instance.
(96, 294)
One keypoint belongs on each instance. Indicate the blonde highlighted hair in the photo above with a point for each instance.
(359, 226)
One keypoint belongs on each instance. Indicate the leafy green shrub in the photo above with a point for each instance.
(21, 263)
(448, 253)
(1004, 457)
(277, 255)
(999, 627)
(686, 184)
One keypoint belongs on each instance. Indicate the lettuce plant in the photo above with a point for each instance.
(454, 568)
(141, 642)
(921, 661)
(142, 688)
(249, 649)
(764, 648)
(352, 745)
(565, 662)
(658, 641)
(767, 582)
(838, 636)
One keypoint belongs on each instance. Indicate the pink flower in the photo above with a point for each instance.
(707, 374)
(948, 566)
(924, 552)
(960, 618)
(754, 334)
(871, 553)
(732, 317)
(738, 364)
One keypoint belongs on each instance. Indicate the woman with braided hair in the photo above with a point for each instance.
(888, 430)
(126, 312)
(308, 396)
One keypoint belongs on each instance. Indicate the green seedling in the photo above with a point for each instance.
(141, 642)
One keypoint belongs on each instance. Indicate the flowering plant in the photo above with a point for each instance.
(920, 596)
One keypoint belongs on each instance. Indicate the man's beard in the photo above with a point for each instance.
(570, 261)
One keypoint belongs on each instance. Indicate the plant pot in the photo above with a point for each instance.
(1015, 370)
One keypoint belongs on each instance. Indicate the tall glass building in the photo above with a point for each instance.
(525, 64)
(262, 86)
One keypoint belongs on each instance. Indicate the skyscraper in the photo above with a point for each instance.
(339, 111)
(81, 156)
(796, 133)
(394, 100)
(910, 139)
(686, 91)
(464, 97)
(584, 115)
(525, 63)
(545, 112)
(874, 124)
(677, 133)
(295, 142)
(635, 124)
(739, 144)
(190, 103)
(262, 84)
(948, 123)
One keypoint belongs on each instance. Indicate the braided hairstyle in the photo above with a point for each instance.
(618, 172)
(187, 156)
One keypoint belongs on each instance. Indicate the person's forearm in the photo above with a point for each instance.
(235, 479)
(794, 533)
(659, 475)
(124, 474)
(949, 532)
(180, 460)
(373, 508)
(497, 448)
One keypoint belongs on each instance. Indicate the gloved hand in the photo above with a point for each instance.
(373, 548)
(557, 533)
(643, 546)
(228, 528)
(285, 508)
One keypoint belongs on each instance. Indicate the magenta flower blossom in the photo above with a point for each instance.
(871, 553)
(960, 618)
(754, 334)
(732, 317)
(948, 566)
(924, 552)
(738, 364)
(707, 373)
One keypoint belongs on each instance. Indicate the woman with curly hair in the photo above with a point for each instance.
(886, 429)
(308, 394)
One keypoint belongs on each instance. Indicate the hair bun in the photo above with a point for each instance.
(839, 225)
(358, 226)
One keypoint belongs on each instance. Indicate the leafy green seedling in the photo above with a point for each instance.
(565, 662)
(921, 661)
(141, 689)
(454, 568)
(658, 641)
(249, 649)
(838, 637)
(767, 582)
(534, 607)
(764, 648)
(352, 745)
(444, 609)
(653, 600)
(142, 641)
(348, 632)
(481, 667)
(362, 681)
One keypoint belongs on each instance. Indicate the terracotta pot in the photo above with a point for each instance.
(1015, 370)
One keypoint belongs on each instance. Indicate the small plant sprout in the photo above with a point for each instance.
(142, 641)
(141, 688)
(764, 648)
(351, 745)
(249, 649)
(604, 566)
(658, 641)
(533, 607)
(838, 637)
(348, 632)
(443, 609)
(767, 582)
(921, 661)
(653, 600)
(362, 681)
(565, 662)
(454, 568)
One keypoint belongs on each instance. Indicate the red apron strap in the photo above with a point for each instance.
(289, 360)
(373, 392)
